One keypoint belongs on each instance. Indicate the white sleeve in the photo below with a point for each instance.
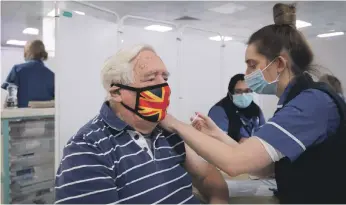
(273, 153)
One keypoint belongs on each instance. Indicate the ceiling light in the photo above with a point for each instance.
(31, 31)
(52, 13)
(302, 24)
(80, 13)
(16, 42)
(218, 38)
(324, 35)
(158, 28)
(228, 8)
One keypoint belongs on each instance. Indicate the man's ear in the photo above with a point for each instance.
(115, 94)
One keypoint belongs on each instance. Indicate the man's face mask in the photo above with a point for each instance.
(151, 102)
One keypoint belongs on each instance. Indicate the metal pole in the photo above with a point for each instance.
(58, 80)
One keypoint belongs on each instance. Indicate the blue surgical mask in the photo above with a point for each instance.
(242, 100)
(258, 83)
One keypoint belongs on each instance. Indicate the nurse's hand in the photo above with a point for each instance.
(206, 125)
(169, 123)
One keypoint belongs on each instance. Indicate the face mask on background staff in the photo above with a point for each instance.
(258, 83)
(151, 102)
(242, 100)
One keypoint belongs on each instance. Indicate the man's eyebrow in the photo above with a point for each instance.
(167, 74)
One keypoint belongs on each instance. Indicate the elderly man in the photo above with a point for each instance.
(122, 156)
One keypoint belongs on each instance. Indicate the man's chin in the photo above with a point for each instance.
(145, 124)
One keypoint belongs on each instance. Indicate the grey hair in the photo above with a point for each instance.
(119, 68)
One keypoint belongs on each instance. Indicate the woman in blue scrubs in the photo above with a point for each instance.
(237, 114)
(34, 80)
(303, 144)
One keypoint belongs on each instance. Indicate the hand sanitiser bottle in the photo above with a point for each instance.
(12, 101)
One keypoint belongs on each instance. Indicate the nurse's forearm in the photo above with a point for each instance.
(225, 138)
(249, 156)
(214, 151)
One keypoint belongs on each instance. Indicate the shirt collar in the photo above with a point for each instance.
(34, 60)
(111, 118)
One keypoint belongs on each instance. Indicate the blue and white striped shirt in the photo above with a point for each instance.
(109, 162)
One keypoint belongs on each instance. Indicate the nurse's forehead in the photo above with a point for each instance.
(253, 56)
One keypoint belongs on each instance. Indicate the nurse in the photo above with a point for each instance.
(237, 114)
(304, 142)
(34, 80)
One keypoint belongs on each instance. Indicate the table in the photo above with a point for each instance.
(242, 199)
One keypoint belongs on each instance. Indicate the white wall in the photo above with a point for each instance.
(330, 53)
(11, 56)
(82, 45)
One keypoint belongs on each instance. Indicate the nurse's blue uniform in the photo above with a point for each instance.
(306, 120)
(249, 126)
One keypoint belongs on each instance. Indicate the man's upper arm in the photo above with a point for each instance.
(85, 177)
(195, 164)
(11, 78)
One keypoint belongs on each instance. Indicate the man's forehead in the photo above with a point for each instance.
(147, 60)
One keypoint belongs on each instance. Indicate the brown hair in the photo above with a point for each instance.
(271, 40)
(333, 82)
(35, 50)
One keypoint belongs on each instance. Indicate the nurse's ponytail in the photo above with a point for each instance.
(281, 36)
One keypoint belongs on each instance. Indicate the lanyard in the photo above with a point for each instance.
(250, 130)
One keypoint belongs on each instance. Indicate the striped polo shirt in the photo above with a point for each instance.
(107, 161)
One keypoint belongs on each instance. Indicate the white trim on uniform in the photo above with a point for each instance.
(288, 134)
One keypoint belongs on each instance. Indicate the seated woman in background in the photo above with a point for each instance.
(236, 113)
(334, 83)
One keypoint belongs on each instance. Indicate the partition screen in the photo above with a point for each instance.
(83, 44)
(200, 77)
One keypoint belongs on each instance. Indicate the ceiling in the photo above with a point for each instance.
(244, 17)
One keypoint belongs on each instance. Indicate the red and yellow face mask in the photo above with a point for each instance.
(151, 102)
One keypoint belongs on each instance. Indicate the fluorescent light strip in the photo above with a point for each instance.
(218, 38)
(16, 42)
(302, 24)
(52, 13)
(325, 35)
(158, 28)
(80, 13)
(31, 31)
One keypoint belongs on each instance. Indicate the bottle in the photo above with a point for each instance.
(12, 101)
